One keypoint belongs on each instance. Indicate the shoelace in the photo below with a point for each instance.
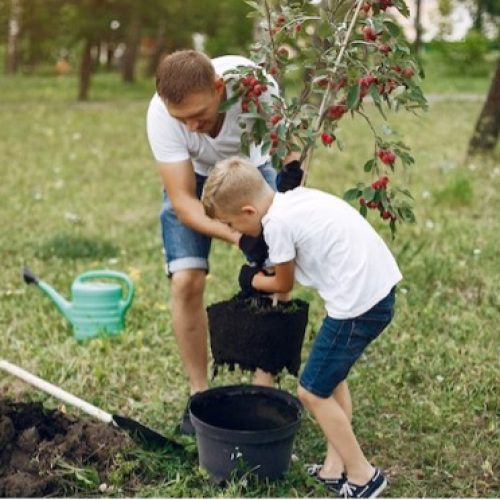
(346, 490)
(312, 470)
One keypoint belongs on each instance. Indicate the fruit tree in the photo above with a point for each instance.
(350, 55)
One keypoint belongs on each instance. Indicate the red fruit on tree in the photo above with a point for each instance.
(387, 156)
(336, 111)
(362, 201)
(369, 34)
(366, 7)
(244, 106)
(298, 27)
(386, 214)
(275, 119)
(385, 48)
(280, 20)
(327, 138)
(384, 4)
(408, 72)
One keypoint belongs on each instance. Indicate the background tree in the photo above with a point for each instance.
(487, 129)
(486, 132)
(14, 27)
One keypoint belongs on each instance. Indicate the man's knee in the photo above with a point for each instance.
(188, 285)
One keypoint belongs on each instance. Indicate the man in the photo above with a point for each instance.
(188, 135)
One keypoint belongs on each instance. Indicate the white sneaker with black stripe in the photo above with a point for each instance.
(371, 489)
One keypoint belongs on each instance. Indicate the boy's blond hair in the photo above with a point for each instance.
(232, 183)
(182, 73)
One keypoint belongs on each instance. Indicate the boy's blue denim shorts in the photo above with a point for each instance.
(185, 248)
(339, 343)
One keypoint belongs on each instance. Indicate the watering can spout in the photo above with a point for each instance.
(30, 278)
(62, 304)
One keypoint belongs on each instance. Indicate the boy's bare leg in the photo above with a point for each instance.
(333, 466)
(337, 428)
(190, 325)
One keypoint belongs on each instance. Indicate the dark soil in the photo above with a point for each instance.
(34, 442)
(252, 333)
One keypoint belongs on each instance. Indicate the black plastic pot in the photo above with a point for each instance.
(255, 334)
(245, 428)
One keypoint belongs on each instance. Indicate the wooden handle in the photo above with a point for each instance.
(55, 391)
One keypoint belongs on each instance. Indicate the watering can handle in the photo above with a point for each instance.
(88, 275)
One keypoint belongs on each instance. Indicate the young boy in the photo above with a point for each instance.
(322, 242)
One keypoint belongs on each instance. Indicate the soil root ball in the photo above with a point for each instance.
(252, 333)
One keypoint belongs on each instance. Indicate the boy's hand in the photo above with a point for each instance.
(245, 278)
(255, 248)
(290, 176)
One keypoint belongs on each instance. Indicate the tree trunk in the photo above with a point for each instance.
(131, 50)
(159, 50)
(85, 71)
(418, 27)
(478, 18)
(12, 59)
(487, 128)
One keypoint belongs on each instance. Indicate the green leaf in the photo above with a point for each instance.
(228, 103)
(353, 96)
(369, 165)
(375, 93)
(369, 193)
(363, 210)
(402, 7)
(393, 28)
(352, 194)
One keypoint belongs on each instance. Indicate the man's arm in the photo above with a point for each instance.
(282, 280)
(179, 182)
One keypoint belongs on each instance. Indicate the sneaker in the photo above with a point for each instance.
(185, 425)
(333, 484)
(371, 489)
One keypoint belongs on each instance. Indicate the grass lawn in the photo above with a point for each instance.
(79, 191)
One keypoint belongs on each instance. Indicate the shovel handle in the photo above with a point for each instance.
(55, 391)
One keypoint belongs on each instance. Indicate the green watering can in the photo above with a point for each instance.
(96, 306)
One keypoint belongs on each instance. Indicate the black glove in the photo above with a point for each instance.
(245, 279)
(290, 176)
(255, 248)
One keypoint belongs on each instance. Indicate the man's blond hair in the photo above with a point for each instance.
(232, 183)
(182, 73)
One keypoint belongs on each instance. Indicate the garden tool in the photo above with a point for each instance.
(96, 306)
(144, 434)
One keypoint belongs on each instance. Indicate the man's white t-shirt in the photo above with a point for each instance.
(336, 251)
(171, 141)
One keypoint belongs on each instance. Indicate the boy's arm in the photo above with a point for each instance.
(282, 280)
(180, 184)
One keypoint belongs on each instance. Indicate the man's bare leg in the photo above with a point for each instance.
(261, 377)
(190, 325)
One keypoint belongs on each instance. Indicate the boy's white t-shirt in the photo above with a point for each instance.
(171, 141)
(336, 251)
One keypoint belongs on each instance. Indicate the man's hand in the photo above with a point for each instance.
(255, 248)
(290, 176)
(245, 278)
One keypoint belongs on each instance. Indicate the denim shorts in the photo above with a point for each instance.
(183, 247)
(339, 344)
